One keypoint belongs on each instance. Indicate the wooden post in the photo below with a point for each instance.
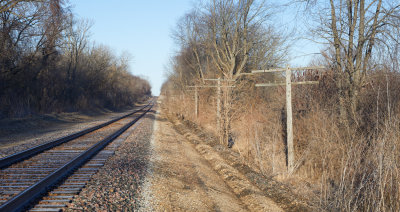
(219, 105)
(289, 124)
(196, 102)
(219, 87)
(196, 96)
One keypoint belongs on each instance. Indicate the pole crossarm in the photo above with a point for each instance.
(283, 83)
(244, 74)
(229, 80)
(211, 86)
(284, 69)
(269, 70)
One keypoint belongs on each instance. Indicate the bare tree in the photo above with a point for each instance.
(189, 36)
(355, 29)
(77, 41)
(233, 25)
(236, 40)
(53, 26)
(223, 39)
(6, 5)
(28, 28)
(17, 32)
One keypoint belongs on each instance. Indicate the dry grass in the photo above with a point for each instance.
(259, 141)
(367, 177)
(354, 168)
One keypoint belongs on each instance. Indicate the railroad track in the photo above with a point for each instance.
(46, 177)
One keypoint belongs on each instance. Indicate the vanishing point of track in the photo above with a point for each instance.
(46, 177)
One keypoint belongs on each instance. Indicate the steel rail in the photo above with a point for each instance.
(9, 160)
(23, 199)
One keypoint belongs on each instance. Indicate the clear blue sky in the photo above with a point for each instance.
(143, 29)
(140, 27)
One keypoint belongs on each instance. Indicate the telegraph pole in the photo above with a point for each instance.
(289, 124)
(196, 102)
(219, 105)
(218, 86)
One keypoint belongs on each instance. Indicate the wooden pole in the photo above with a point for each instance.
(196, 96)
(211, 86)
(279, 84)
(289, 124)
(196, 102)
(219, 105)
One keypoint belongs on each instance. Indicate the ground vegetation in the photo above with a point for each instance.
(345, 128)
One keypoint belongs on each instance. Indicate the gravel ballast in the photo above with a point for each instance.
(117, 185)
(12, 142)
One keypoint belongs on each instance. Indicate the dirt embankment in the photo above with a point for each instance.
(193, 173)
(249, 185)
(181, 179)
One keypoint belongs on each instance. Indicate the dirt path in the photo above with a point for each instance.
(182, 178)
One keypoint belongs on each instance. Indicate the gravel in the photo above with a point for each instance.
(119, 183)
(16, 142)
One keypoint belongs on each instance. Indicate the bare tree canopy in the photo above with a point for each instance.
(356, 30)
(226, 38)
(223, 39)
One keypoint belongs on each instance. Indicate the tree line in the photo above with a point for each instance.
(49, 64)
(224, 39)
(346, 128)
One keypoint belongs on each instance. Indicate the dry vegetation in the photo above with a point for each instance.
(48, 64)
(346, 129)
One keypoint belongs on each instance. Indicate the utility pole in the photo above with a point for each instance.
(289, 124)
(219, 105)
(196, 102)
(218, 86)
